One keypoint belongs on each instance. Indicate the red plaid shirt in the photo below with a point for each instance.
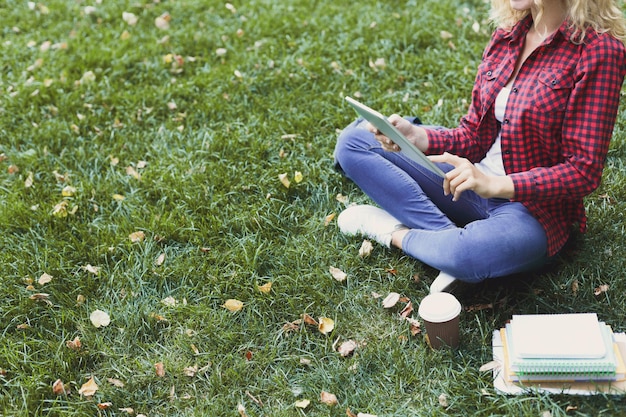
(558, 121)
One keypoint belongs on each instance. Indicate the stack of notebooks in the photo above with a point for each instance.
(559, 353)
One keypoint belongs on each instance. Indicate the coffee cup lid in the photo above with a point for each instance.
(439, 307)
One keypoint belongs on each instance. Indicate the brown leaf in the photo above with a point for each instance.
(309, 320)
(74, 344)
(105, 406)
(601, 289)
(58, 388)
(414, 326)
(328, 398)
(349, 413)
(159, 369)
(407, 310)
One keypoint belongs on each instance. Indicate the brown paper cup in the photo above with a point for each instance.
(440, 313)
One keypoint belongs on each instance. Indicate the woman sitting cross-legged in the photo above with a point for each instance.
(530, 148)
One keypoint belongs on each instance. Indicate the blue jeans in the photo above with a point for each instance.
(471, 239)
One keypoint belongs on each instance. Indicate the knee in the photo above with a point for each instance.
(352, 141)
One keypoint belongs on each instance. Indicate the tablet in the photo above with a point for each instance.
(382, 124)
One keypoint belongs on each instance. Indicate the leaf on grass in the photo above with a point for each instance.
(89, 388)
(118, 197)
(129, 18)
(445, 35)
(74, 344)
(326, 325)
(407, 310)
(58, 388)
(163, 22)
(329, 219)
(159, 369)
(414, 326)
(68, 191)
(100, 318)
(302, 403)
(391, 300)
(347, 347)
(41, 297)
(128, 410)
(309, 320)
(366, 249)
(342, 198)
(131, 172)
(169, 301)
(160, 259)
(242, 410)
(190, 371)
(233, 305)
(601, 289)
(137, 237)
(92, 269)
(105, 406)
(284, 180)
(443, 400)
(265, 288)
(328, 398)
(29, 180)
(115, 382)
(44, 279)
(338, 274)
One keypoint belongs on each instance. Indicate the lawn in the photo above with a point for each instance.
(145, 153)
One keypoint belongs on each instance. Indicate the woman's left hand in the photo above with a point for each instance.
(465, 176)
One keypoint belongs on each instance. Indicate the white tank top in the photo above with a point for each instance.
(492, 162)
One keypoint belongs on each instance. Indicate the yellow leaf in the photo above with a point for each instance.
(297, 177)
(233, 305)
(100, 318)
(302, 404)
(329, 219)
(89, 388)
(130, 171)
(68, 191)
(265, 288)
(118, 197)
(326, 325)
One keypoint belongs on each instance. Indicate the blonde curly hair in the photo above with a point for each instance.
(603, 16)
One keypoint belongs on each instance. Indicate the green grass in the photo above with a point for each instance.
(209, 198)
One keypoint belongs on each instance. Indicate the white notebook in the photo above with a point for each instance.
(561, 336)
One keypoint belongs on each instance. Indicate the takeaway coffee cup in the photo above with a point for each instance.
(440, 312)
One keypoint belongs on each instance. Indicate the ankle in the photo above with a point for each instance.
(398, 236)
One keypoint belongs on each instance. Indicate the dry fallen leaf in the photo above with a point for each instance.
(233, 305)
(44, 279)
(302, 403)
(159, 368)
(443, 400)
(338, 274)
(284, 180)
(328, 398)
(414, 326)
(160, 259)
(407, 310)
(601, 289)
(329, 219)
(137, 237)
(265, 288)
(190, 370)
(92, 269)
(115, 382)
(490, 366)
(242, 410)
(58, 388)
(89, 388)
(391, 300)
(163, 22)
(326, 325)
(347, 347)
(309, 320)
(169, 301)
(74, 344)
(297, 177)
(366, 249)
(100, 318)
(129, 18)
(105, 406)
